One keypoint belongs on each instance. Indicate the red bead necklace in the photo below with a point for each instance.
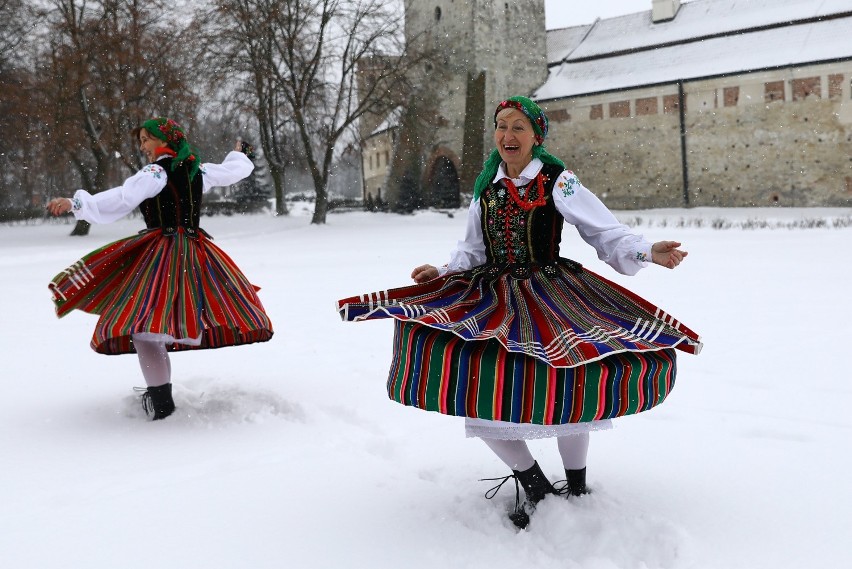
(523, 202)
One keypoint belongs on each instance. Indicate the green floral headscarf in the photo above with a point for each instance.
(173, 135)
(540, 125)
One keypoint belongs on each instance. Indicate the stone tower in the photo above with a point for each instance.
(485, 51)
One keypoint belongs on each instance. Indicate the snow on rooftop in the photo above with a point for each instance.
(561, 42)
(776, 47)
(700, 18)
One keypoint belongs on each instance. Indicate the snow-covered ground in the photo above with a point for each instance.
(288, 453)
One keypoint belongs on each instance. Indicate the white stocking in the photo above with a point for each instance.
(515, 454)
(574, 449)
(154, 361)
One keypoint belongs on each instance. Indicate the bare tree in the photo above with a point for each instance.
(110, 64)
(17, 147)
(15, 18)
(310, 52)
(243, 35)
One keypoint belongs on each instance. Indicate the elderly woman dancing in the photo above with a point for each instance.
(519, 340)
(169, 287)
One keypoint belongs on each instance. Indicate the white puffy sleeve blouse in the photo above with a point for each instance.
(113, 204)
(615, 244)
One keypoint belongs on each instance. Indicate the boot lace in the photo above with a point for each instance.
(565, 488)
(503, 479)
(145, 398)
(519, 516)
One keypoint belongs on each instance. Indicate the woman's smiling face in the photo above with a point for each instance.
(149, 144)
(514, 138)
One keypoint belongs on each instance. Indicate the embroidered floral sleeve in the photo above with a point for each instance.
(615, 243)
(567, 183)
(154, 170)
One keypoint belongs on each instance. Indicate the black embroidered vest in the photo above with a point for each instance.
(517, 236)
(178, 204)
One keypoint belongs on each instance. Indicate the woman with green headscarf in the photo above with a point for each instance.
(520, 341)
(168, 288)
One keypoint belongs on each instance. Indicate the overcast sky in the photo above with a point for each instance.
(564, 13)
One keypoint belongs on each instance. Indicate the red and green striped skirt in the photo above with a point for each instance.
(561, 313)
(176, 285)
(546, 344)
(438, 371)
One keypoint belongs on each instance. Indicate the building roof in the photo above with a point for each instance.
(390, 121)
(561, 42)
(707, 38)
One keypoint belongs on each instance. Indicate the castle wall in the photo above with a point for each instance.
(444, 26)
(510, 42)
(777, 137)
(376, 155)
(780, 137)
(628, 154)
(503, 40)
(765, 149)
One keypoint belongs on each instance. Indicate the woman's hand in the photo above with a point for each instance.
(424, 273)
(667, 254)
(238, 146)
(59, 206)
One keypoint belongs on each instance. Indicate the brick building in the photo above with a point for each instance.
(707, 103)
(702, 103)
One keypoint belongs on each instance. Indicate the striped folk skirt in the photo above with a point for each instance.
(179, 286)
(436, 370)
(547, 345)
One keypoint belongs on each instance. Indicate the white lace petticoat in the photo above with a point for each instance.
(504, 430)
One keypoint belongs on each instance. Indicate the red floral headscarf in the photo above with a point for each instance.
(173, 135)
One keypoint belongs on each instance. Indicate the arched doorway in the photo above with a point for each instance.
(443, 184)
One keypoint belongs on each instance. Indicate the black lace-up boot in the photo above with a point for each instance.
(575, 483)
(536, 487)
(535, 483)
(157, 401)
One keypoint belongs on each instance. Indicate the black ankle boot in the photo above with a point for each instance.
(158, 402)
(536, 487)
(575, 483)
(535, 483)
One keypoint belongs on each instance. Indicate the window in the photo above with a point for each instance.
(558, 115)
(835, 86)
(671, 104)
(773, 91)
(619, 109)
(807, 87)
(731, 95)
(646, 106)
(437, 13)
(596, 112)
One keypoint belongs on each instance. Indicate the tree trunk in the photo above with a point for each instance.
(320, 177)
(320, 208)
(278, 182)
(81, 228)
